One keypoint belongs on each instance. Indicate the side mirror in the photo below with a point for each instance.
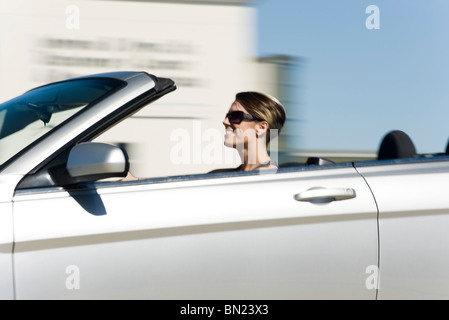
(93, 161)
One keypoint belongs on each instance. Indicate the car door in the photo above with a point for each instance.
(300, 233)
(413, 200)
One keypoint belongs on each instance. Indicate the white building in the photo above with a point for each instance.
(207, 47)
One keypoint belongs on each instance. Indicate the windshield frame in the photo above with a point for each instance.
(120, 84)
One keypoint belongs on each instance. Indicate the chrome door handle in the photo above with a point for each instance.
(325, 195)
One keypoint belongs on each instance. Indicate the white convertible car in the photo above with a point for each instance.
(356, 230)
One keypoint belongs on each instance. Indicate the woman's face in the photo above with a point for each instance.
(239, 134)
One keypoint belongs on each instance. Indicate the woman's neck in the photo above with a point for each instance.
(252, 159)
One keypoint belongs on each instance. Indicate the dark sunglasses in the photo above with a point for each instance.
(236, 117)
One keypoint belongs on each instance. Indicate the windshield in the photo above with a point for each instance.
(30, 116)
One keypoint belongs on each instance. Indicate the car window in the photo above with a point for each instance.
(34, 114)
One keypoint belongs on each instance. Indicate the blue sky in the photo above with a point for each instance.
(355, 84)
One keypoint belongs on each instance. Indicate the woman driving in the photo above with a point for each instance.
(253, 120)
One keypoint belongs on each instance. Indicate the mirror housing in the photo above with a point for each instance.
(92, 161)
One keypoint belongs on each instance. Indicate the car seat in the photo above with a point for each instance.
(396, 145)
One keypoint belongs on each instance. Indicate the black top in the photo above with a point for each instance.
(240, 167)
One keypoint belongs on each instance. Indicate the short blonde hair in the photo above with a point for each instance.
(263, 106)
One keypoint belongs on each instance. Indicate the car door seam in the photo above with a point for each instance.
(378, 229)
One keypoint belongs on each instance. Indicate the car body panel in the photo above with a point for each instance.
(413, 201)
(7, 187)
(232, 237)
(6, 249)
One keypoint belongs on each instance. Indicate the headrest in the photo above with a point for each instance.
(396, 145)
